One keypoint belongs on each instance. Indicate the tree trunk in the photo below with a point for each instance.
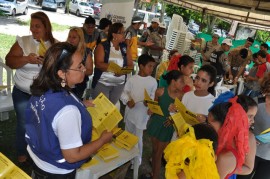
(163, 5)
(211, 20)
(136, 5)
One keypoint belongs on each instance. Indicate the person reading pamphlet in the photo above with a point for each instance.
(58, 126)
(159, 127)
(137, 86)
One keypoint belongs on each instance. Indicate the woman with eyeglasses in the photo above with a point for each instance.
(112, 50)
(76, 38)
(26, 56)
(262, 122)
(58, 126)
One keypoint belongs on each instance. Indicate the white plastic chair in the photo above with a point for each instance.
(6, 103)
(196, 68)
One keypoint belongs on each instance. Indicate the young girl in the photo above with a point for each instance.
(76, 38)
(185, 65)
(230, 120)
(200, 100)
(159, 132)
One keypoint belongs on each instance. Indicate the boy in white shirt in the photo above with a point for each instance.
(136, 116)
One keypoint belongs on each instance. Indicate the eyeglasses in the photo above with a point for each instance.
(80, 68)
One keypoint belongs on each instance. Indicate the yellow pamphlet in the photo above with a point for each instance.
(152, 105)
(42, 48)
(9, 170)
(266, 131)
(114, 68)
(179, 123)
(105, 115)
(3, 87)
(90, 163)
(124, 139)
(189, 116)
(107, 152)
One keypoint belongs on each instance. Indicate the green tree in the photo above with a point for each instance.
(262, 36)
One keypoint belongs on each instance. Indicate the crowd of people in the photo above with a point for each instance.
(54, 127)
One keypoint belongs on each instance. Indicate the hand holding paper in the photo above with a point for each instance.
(152, 105)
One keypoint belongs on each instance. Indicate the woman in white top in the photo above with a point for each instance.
(200, 100)
(112, 50)
(25, 56)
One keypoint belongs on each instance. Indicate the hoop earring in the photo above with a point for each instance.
(63, 83)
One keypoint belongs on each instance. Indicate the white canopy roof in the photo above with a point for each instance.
(252, 12)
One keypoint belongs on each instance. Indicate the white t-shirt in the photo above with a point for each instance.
(24, 76)
(108, 78)
(134, 88)
(66, 120)
(198, 104)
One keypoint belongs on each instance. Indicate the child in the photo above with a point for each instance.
(200, 100)
(159, 130)
(252, 88)
(133, 96)
(230, 120)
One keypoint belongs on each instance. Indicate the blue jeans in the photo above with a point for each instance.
(251, 93)
(20, 100)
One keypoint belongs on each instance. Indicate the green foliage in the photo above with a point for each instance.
(2, 14)
(185, 13)
(262, 36)
(5, 44)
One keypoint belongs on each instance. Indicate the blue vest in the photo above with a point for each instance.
(40, 136)
(107, 48)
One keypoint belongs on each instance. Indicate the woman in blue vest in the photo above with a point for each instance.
(112, 50)
(58, 126)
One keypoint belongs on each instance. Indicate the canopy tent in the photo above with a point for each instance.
(253, 12)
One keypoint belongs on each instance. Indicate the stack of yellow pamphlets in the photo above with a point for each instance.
(9, 170)
(90, 163)
(107, 152)
(42, 48)
(105, 115)
(152, 105)
(188, 116)
(124, 139)
(114, 68)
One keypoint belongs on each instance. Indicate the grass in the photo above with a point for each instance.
(6, 43)
(55, 27)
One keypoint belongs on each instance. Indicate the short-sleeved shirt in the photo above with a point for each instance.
(131, 34)
(158, 40)
(209, 48)
(261, 70)
(236, 61)
(91, 40)
(249, 56)
(268, 58)
(223, 59)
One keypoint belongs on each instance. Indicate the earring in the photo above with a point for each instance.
(63, 83)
